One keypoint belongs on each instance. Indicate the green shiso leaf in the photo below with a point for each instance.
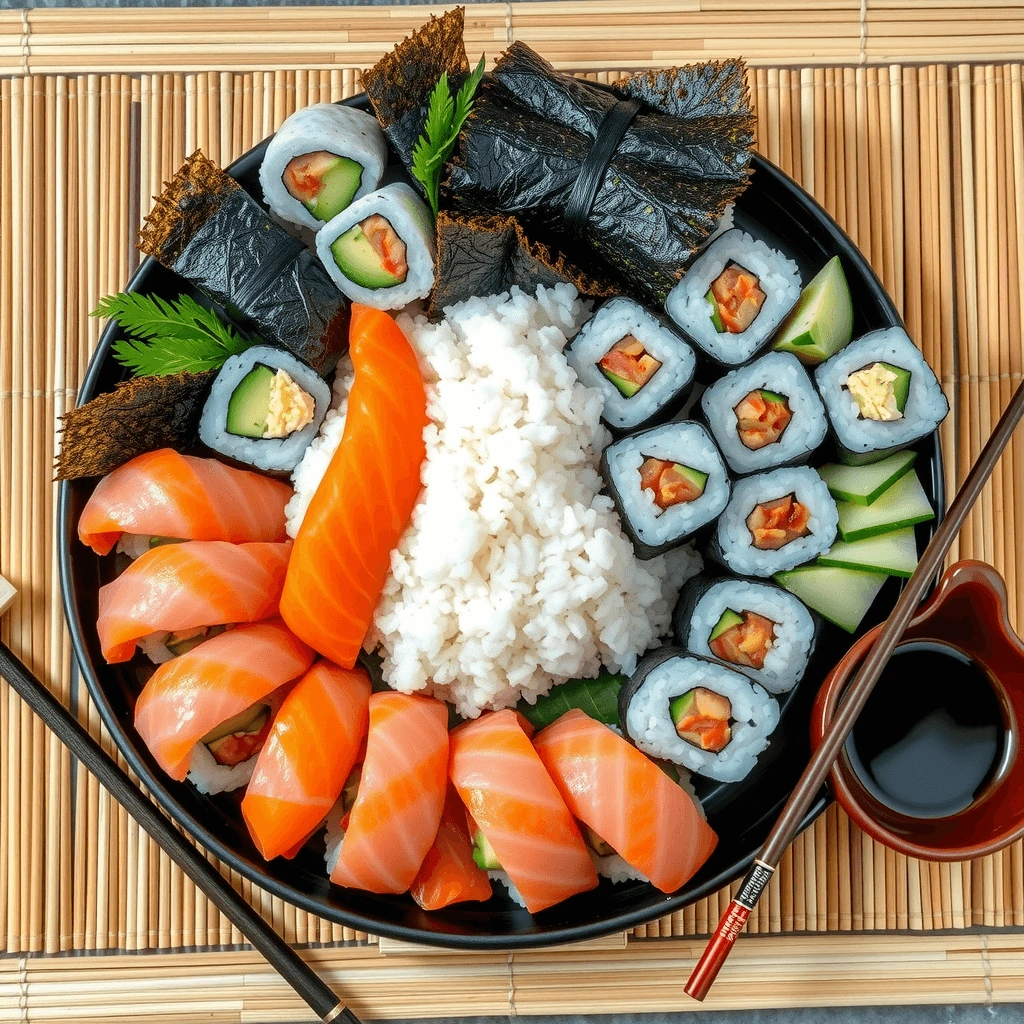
(445, 118)
(599, 698)
(169, 336)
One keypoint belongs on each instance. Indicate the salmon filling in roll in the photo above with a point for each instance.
(628, 365)
(761, 418)
(671, 483)
(736, 298)
(773, 524)
(742, 638)
(703, 718)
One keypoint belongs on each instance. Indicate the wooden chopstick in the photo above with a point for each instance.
(302, 978)
(788, 823)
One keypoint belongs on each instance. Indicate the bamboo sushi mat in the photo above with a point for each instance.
(903, 121)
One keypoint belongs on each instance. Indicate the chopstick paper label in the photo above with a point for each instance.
(754, 884)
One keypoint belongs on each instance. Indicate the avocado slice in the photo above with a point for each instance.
(725, 623)
(595, 842)
(821, 322)
(338, 185)
(251, 720)
(626, 387)
(681, 706)
(249, 403)
(483, 853)
(716, 317)
(360, 262)
(772, 396)
(900, 386)
(179, 647)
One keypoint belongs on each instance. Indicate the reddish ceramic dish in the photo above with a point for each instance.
(968, 611)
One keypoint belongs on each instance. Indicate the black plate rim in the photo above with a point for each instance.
(809, 210)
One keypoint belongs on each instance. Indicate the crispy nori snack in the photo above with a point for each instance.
(209, 230)
(684, 157)
(487, 255)
(138, 416)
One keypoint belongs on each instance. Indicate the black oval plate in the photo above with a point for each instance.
(741, 813)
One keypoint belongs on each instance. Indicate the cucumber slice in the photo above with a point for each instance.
(626, 387)
(360, 262)
(863, 484)
(251, 720)
(822, 320)
(842, 596)
(725, 623)
(695, 476)
(716, 317)
(903, 504)
(681, 706)
(483, 853)
(893, 553)
(338, 185)
(900, 386)
(249, 403)
(771, 396)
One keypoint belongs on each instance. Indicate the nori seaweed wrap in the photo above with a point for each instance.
(682, 158)
(209, 230)
(138, 416)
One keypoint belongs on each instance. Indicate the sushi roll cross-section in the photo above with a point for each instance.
(642, 367)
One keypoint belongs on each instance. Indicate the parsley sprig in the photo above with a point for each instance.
(169, 336)
(445, 118)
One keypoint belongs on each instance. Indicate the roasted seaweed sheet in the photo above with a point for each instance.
(209, 230)
(685, 156)
(138, 416)
(488, 255)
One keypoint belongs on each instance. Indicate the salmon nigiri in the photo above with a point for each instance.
(527, 831)
(185, 587)
(215, 695)
(626, 800)
(342, 553)
(448, 873)
(164, 494)
(401, 794)
(306, 758)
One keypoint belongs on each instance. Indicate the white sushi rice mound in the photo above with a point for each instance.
(756, 715)
(514, 894)
(615, 869)
(210, 777)
(515, 573)
(335, 836)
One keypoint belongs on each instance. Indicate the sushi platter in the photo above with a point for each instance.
(461, 479)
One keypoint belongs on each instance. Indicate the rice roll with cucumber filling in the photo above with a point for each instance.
(733, 297)
(697, 713)
(755, 627)
(775, 521)
(380, 250)
(667, 482)
(880, 395)
(642, 367)
(322, 158)
(766, 414)
(264, 409)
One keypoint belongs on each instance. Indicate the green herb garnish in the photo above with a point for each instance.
(169, 336)
(445, 118)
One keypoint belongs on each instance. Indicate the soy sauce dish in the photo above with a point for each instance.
(458, 523)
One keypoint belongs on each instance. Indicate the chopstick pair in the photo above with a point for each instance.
(788, 823)
(302, 978)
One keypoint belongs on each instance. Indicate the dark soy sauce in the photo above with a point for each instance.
(931, 735)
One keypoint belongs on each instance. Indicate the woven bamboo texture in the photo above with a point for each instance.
(922, 165)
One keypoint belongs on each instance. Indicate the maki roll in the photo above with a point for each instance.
(766, 414)
(667, 482)
(734, 296)
(380, 251)
(264, 409)
(775, 521)
(881, 396)
(697, 713)
(321, 159)
(643, 368)
(756, 627)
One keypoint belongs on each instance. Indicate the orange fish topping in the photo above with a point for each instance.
(774, 524)
(738, 297)
(747, 643)
(760, 422)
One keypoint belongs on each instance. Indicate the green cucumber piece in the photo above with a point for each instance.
(483, 853)
(900, 386)
(892, 553)
(359, 261)
(251, 720)
(695, 476)
(822, 319)
(249, 403)
(903, 504)
(338, 185)
(679, 707)
(599, 698)
(159, 542)
(842, 596)
(725, 623)
(864, 484)
(771, 396)
(716, 317)
(626, 387)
